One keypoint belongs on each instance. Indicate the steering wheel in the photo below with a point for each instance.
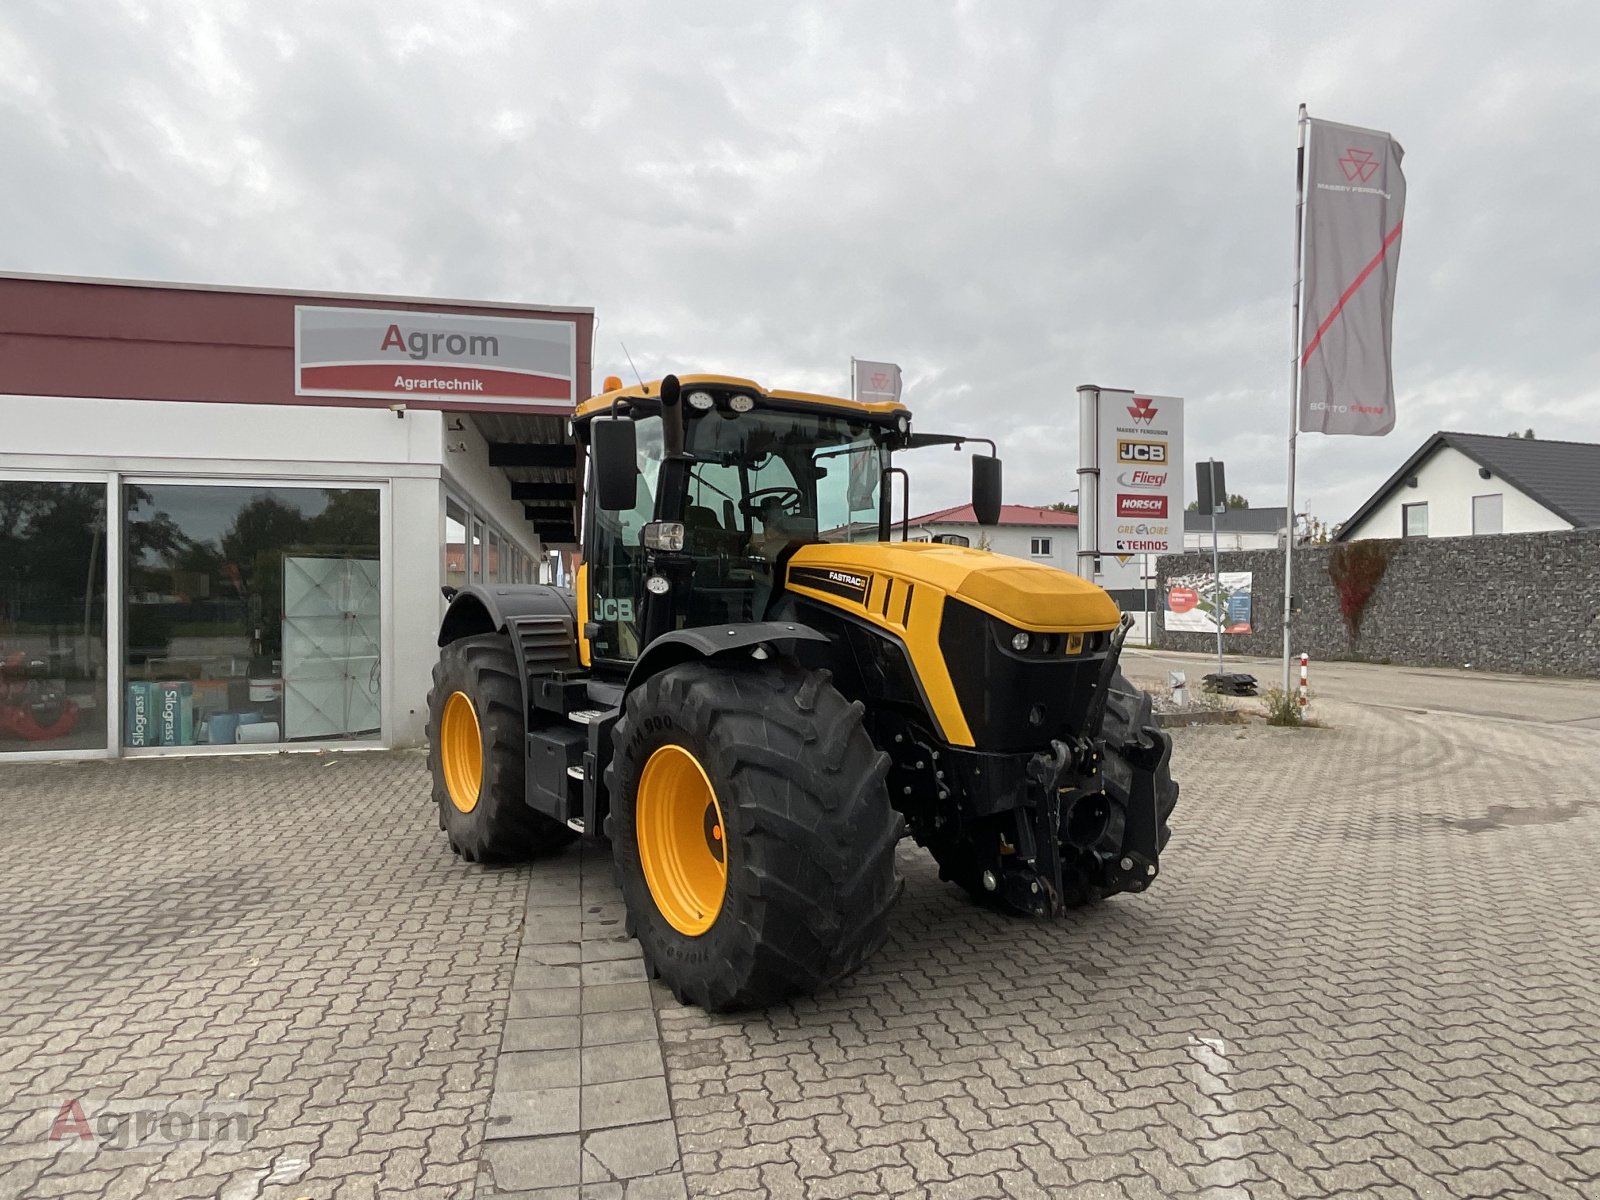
(790, 500)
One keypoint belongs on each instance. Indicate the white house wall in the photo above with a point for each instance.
(1447, 482)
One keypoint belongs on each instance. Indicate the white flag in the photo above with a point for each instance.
(876, 381)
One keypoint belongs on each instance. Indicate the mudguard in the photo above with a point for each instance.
(487, 608)
(706, 641)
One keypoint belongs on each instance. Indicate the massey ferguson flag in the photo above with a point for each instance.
(1355, 199)
(876, 381)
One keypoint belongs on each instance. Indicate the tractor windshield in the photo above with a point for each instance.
(762, 482)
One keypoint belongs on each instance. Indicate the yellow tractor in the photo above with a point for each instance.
(753, 693)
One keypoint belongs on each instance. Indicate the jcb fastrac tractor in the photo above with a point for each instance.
(753, 692)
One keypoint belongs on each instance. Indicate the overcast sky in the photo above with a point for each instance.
(1007, 199)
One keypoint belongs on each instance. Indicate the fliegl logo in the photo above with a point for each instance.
(1143, 481)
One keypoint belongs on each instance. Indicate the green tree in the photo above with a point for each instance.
(1063, 506)
(1234, 501)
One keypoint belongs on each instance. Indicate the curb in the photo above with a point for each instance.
(1181, 720)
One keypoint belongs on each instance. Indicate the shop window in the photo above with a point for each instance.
(477, 551)
(455, 544)
(251, 614)
(1041, 547)
(52, 616)
(494, 571)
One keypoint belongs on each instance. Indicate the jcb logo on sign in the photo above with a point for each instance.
(616, 610)
(1141, 452)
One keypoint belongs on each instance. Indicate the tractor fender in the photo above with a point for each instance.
(710, 641)
(488, 608)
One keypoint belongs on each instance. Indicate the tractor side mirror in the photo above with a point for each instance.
(614, 454)
(986, 489)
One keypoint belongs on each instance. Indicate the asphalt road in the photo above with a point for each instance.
(1570, 703)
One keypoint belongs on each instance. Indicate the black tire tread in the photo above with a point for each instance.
(501, 828)
(802, 790)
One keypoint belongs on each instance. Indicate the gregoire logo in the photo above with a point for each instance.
(1141, 506)
(1144, 481)
(1141, 452)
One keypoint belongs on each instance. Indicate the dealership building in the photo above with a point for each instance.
(226, 514)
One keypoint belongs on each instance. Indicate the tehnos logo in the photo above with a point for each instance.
(1141, 506)
(1143, 410)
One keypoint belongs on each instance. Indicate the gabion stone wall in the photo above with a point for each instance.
(1522, 602)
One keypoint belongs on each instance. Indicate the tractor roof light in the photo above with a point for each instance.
(740, 403)
(701, 401)
(1020, 641)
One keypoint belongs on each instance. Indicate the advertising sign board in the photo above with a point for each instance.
(386, 354)
(1141, 473)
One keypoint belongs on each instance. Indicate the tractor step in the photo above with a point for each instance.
(576, 824)
(586, 716)
(576, 773)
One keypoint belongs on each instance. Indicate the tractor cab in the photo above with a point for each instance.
(702, 489)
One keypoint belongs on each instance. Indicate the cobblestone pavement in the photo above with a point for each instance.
(1372, 966)
(286, 934)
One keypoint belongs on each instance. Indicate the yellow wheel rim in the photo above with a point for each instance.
(461, 751)
(683, 845)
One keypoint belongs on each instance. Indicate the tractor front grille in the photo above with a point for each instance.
(545, 643)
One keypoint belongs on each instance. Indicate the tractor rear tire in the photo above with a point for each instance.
(751, 830)
(476, 754)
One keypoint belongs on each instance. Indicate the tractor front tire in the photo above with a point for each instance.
(476, 754)
(752, 833)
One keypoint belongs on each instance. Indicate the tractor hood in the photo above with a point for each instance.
(1028, 595)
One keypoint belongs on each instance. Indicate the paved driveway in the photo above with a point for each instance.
(1372, 965)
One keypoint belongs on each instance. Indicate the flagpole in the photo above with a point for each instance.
(1294, 398)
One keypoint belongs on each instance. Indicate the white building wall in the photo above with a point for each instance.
(1447, 482)
(1201, 540)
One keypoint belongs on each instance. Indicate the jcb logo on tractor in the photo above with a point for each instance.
(616, 610)
(1141, 452)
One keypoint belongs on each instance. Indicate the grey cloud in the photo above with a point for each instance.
(1007, 199)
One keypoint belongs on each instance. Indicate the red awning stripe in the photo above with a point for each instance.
(456, 382)
(1333, 316)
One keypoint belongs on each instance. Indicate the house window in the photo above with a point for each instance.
(1415, 519)
(1041, 547)
(1487, 514)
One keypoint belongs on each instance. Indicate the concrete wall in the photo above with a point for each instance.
(1447, 482)
(1513, 602)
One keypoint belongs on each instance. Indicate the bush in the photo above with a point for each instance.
(1356, 569)
(1283, 708)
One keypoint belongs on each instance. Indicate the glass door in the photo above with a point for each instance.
(53, 660)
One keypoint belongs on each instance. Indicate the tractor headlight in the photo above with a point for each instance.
(1020, 641)
(663, 535)
(701, 401)
(741, 403)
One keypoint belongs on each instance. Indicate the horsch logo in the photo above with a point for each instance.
(1141, 506)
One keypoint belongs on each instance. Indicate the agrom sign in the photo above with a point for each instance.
(383, 354)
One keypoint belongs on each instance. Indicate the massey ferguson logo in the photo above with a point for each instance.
(1144, 481)
(1142, 410)
(1358, 165)
(1141, 506)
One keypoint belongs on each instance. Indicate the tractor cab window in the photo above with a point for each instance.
(762, 483)
(616, 564)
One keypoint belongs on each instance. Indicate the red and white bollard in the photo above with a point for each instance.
(1305, 685)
